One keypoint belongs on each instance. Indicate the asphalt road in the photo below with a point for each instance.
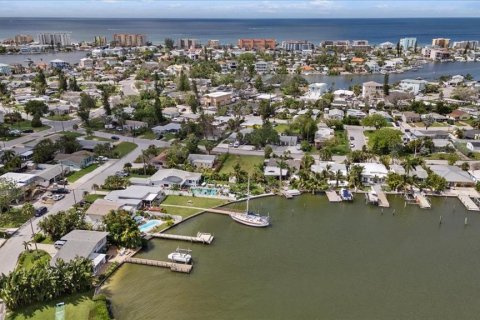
(10, 251)
(358, 138)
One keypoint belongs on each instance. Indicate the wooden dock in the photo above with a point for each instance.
(422, 201)
(177, 267)
(468, 203)
(333, 196)
(205, 238)
(382, 198)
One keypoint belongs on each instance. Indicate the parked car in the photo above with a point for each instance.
(59, 243)
(352, 145)
(58, 197)
(40, 211)
(116, 138)
(122, 174)
(352, 138)
(236, 144)
(28, 131)
(61, 191)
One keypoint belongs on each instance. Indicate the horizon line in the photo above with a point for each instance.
(216, 18)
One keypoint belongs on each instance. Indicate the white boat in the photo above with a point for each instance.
(249, 218)
(180, 255)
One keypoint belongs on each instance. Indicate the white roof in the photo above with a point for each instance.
(373, 169)
(218, 94)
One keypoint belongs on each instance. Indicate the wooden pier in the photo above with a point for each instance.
(333, 196)
(422, 201)
(205, 238)
(468, 203)
(382, 198)
(177, 267)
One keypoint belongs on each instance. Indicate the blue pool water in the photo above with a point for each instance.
(204, 191)
(149, 225)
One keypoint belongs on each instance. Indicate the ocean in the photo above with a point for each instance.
(230, 30)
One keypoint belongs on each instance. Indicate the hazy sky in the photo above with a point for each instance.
(240, 8)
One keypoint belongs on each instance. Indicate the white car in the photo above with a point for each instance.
(58, 197)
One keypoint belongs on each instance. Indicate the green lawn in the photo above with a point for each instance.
(13, 218)
(72, 134)
(58, 117)
(28, 259)
(124, 148)
(341, 146)
(91, 197)
(194, 202)
(148, 135)
(77, 307)
(281, 128)
(97, 138)
(247, 163)
(78, 174)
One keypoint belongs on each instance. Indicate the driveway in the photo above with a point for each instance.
(358, 137)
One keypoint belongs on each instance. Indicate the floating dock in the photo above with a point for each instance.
(177, 267)
(205, 238)
(333, 196)
(382, 198)
(422, 201)
(468, 203)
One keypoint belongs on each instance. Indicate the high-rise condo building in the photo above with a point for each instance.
(407, 43)
(257, 44)
(129, 40)
(23, 39)
(295, 45)
(56, 38)
(100, 41)
(188, 43)
(441, 42)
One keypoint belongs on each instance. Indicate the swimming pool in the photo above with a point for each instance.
(205, 191)
(149, 225)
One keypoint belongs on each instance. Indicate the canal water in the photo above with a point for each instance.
(317, 261)
(430, 71)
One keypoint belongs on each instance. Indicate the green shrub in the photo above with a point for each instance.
(39, 237)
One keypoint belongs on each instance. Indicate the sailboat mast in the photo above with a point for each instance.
(248, 192)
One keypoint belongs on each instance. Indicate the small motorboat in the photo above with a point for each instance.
(181, 256)
(346, 195)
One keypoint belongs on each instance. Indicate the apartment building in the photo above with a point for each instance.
(23, 39)
(215, 44)
(57, 38)
(188, 43)
(408, 43)
(257, 44)
(441, 42)
(472, 44)
(100, 41)
(340, 44)
(297, 45)
(129, 40)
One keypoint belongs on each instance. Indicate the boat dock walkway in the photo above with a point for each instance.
(205, 238)
(177, 267)
(201, 209)
(468, 203)
(333, 196)
(422, 201)
(382, 198)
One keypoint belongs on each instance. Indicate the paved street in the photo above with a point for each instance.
(358, 138)
(13, 247)
(128, 86)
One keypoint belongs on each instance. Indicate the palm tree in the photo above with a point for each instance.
(338, 177)
(26, 245)
(7, 155)
(325, 154)
(355, 175)
(95, 188)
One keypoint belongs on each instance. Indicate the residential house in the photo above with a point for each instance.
(410, 116)
(99, 209)
(458, 115)
(201, 161)
(169, 178)
(473, 134)
(371, 90)
(168, 128)
(77, 160)
(332, 168)
(288, 140)
(217, 99)
(22, 180)
(455, 176)
(413, 86)
(89, 145)
(335, 114)
(133, 124)
(85, 244)
(315, 91)
(49, 173)
(373, 173)
(473, 146)
(136, 196)
(418, 172)
(323, 135)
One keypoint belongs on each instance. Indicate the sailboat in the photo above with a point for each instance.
(250, 218)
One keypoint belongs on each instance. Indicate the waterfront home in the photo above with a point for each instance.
(136, 197)
(372, 90)
(83, 243)
(410, 116)
(169, 178)
(418, 172)
(315, 91)
(456, 80)
(373, 173)
(473, 146)
(413, 86)
(455, 176)
(77, 160)
(329, 166)
(201, 161)
(59, 64)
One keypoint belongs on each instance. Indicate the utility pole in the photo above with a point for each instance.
(33, 234)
